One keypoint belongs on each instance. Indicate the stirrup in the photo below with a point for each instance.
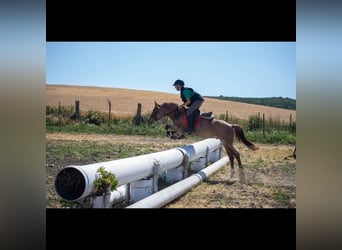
(207, 114)
(189, 131)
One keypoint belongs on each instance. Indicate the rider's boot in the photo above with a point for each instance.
(190, 129)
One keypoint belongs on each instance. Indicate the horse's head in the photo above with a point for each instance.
(160, 111)
(156, 113)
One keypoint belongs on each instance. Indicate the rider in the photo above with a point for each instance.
(191, 99)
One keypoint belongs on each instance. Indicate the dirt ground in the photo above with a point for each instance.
(268, 179)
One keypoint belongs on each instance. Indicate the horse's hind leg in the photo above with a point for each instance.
(236, 155)
(231, 158)
(230, 154)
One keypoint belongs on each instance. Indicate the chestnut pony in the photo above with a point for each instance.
(205, 127)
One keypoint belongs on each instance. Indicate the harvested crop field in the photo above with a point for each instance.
(125, 101)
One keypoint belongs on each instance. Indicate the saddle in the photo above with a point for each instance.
(207, 115)
(198, 116)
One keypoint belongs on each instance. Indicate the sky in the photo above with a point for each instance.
(234, 69)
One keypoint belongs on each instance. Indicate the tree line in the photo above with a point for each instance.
(276, 102)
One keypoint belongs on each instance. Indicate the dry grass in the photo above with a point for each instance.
(268, 179)
(124, 102)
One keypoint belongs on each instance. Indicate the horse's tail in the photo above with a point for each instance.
(240, 135)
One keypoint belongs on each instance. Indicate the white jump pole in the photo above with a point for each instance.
(168, 194)
(74, 183)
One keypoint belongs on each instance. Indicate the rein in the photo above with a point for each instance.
(163, 115)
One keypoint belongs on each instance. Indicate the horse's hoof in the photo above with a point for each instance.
(174, 137)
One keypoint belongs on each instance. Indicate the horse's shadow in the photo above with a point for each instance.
(228, 182)
(235, 176)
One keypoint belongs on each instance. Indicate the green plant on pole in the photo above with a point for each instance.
(104, 182)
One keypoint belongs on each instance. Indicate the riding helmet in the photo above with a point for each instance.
(179, 82)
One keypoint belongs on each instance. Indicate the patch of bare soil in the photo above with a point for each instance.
(113, 138)
(268, 179)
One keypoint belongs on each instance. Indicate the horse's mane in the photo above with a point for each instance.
(169, 105)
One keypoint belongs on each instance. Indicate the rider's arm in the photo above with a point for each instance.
(185, 104)
(187, 94)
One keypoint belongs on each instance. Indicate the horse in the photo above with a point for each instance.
(205, 127)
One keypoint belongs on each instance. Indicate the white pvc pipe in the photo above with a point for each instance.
(168, 194)
(115, 196)
(118, 195)
(199, 149)
(74, 183)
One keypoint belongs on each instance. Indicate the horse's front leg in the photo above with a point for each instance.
(171, 132)
(171, 127)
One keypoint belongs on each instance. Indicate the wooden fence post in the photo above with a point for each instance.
(263, 124)
(77, 104)
(138, 118)
(110, 110)
(76, 115)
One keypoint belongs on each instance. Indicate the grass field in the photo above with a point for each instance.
(268, 179)
(125, 101)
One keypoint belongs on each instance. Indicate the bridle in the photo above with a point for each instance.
(163, 115)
